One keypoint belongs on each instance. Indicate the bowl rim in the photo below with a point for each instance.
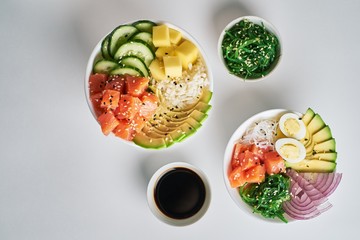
(255, 19)
(96, 52)
(233, 192)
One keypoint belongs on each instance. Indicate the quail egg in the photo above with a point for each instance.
(290, 149)
(292, 126)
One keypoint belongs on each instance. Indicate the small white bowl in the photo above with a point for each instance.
(152, 202)
(96, 55)
(239, 132)
(258, 21)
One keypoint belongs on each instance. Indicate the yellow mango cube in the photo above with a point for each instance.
(157, 70)
(175, 36)
(187, 52)
(165, 51)
(173, 66)
(161, 36)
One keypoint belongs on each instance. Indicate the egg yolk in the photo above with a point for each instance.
(289, 151)
(292, 126)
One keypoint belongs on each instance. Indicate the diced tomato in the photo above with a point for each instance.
(96, 102)
(124, 130)
(236, 177)
(238, 154)
(255, 174)
(128, 107)
(138, 122)
(274, 163)
(149, 105)
(250, 160)
(136, 86)
(97, 82)
(108, 122)
(117, 82)
(110, 99)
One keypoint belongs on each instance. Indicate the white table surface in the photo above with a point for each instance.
(60, 178)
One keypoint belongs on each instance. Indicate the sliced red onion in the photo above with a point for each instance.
(314, 194)
(324, 182)
(300, 206)
(309, 192)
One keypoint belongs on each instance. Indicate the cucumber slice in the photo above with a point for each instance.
(144, 25)
(105, 48)
(119, 36)
(136, 48)
(146, 37)
(133, 61)
(104, 66)
(126, 70)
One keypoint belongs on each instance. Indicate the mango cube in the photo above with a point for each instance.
(175, 36)
(161, 36)
(173, 66)
(157, 70)
(187, 52)
(165, 51)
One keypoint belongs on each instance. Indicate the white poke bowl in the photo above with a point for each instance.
(96, 55)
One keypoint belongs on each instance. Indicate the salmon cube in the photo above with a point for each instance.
(108, 122)
(117, 82)
(128, 107)
(236, 177)
(110, 99)
(97, 82)
(250, 160)
(124, 130)
(255, 174)
(136, 86)
(274, 163)
(149, 105)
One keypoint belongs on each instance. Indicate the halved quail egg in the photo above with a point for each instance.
(292, 126)
(290, 149)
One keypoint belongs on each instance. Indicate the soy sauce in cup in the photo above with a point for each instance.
(178, 194)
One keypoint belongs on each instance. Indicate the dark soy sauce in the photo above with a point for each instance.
(180, 193)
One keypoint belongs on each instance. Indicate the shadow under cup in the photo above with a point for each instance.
(178, 194)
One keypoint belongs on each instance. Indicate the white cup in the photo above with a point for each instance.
(193, 213)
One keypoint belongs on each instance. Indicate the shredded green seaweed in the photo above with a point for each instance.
(249, 50)
(267, 197)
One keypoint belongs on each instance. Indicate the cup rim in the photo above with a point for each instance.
(161, 216)
(255, 19)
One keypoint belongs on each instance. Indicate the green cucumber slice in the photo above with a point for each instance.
(145, 37)
(104, 66)
(136, 48)
(119, 36)
(126, 70)
(105, 48)
(133, 61)
(144, 25)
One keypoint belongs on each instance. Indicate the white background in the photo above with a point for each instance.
(60, 178)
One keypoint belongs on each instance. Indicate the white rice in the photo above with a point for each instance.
(185, 90)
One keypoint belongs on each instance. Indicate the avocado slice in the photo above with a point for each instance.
(145, 141)
(309, 114)
(315, 124)
(327, 156)
(322, 135)
(327, 146)
(312, 166)
(153, 134)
